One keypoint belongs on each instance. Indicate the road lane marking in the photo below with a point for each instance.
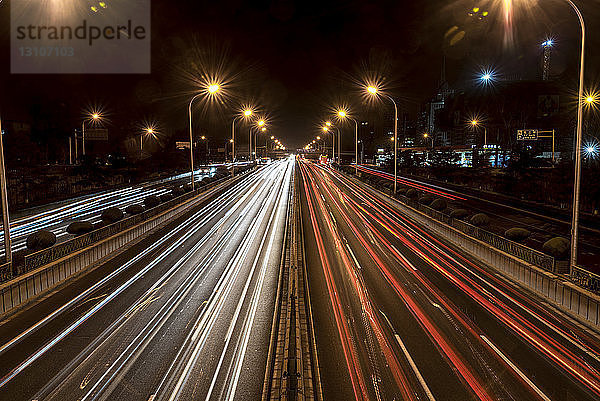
(411, 362)
(515, 368)
(414, 368)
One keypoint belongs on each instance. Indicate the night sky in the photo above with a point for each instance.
(296, 58)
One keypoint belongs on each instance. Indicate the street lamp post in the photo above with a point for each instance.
(211, 89)
(4, 195)
(94, 117)
(191, 139)
(343, 114)
(247, 113)
(374, 91)
(475, 124)
(261, 126)
(579, 134)
(146, 131)
(263, 129)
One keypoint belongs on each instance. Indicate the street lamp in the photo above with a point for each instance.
(146, 131)
(246, 113)
(4, 198)
(373, 91)
(342, 114)
(325, 129)
(578, 143)
(260, 124)
(475, 123)
(212, 89)
(203, 137)
(94, 118)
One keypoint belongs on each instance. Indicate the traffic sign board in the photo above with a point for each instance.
(527, 135)
(182, 145)
(96, 134)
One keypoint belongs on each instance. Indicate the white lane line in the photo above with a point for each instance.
(515, 368)
(414, 368)
(409, 358)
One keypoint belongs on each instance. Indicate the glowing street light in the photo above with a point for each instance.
(148, 131)
(373, 91)
(475, 123)
(212, 89)
(343, 114)
(93, 118)
(246, 113)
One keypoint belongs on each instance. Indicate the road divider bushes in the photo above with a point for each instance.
(459, 214)
(111, 215)
(426, 199)
(80, 227)
(480, 220)
(134, 209)
(151, 201)
(517, 234)
(412, 193)
(165, 197)
(41, 239)
(558, 247)
(177, 191)
(439, 204)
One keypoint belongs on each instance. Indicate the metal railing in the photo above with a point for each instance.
(5, 272)
(586, 279)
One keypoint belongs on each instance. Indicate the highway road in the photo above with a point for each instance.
(401, 315)
(58, 215)
(185, 314)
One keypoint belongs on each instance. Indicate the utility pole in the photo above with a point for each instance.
(4, 197)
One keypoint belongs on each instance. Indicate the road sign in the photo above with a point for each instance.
(527, 135)
(96, 134)
(182, 145)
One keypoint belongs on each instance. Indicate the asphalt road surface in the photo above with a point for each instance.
(400, 315)
(185, 314)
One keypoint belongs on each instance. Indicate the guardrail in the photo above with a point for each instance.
(513, 248)
(5, 272)
(586, 279)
